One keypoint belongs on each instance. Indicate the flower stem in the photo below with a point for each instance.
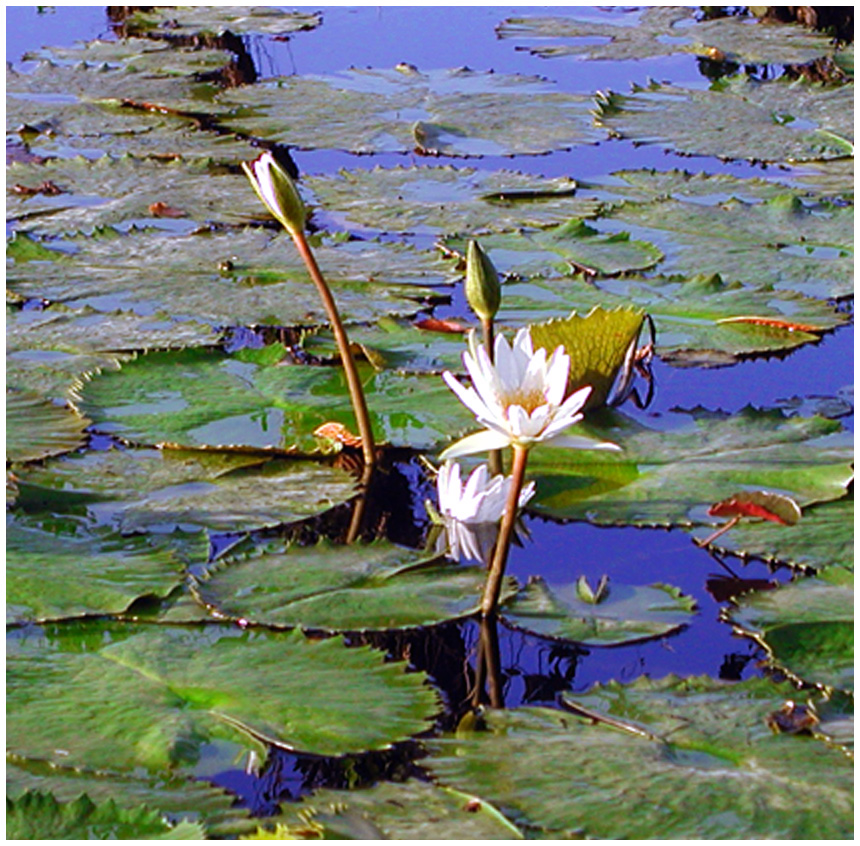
(494, 459)
(490, 600)
(356, 392)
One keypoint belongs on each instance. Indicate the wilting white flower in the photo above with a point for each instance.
(471, 511)
(519, 399)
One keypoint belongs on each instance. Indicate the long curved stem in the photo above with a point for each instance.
(493, 587)
(494, 459)
(356, 392)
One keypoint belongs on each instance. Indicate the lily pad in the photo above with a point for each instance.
(737, 118)
(696, 760)
(234, 278)
(36, 428)
(807, 628)
(457, 112)
(412, 810)
(571, 247)
(700, 320)
(52, 575)
(597, 343)
(216, 399)
(824, 537)
(215, 20)
(659, 475)
(780, 242)
(162, 489)
(39, 816)
(153, 697)
(337, 588)
(628, 614)
(667, 30)
(112, 191)
(448, 199)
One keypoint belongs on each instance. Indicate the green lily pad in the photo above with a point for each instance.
(807, 628)
(154, 697)
(697, 761)
(337, 588)
(597, 343)
(186, 21)
(667, 30)
(448, 199)
(216, 399)
(780, 242)
(699, 320)
(824, 537)
(457, 112)
(36, 428)
(833, 178)
(111, 191)
(51, 575)
(234, 278)
(737, 118)
(628, 614)
(570, 247)
(669, 478)
(412, 810)
(222, 491)
(38, 816)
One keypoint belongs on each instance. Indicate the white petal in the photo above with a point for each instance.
(467, 396)
(478, 442)
(577, 442)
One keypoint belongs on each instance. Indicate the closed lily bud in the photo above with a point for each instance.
(277, 191)
(483, 291)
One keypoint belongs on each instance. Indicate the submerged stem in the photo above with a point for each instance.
(356, 392)
(490, 600)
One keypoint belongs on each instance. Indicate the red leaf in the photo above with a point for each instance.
(767, 506)
(163, 210)
(433, 324)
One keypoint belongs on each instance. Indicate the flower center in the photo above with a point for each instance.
(529, 400)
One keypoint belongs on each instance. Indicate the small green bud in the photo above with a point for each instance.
(483, 291)
(277, 191)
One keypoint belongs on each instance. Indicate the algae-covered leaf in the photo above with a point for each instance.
(39, 816)
(684, 758)
(52, 575)
(737, 118)
(807, 628)
(412, 810)
(337, 588)
(139, 489)
(153, 697)
(660, 477)
(188, 21)
(36, 428)
(457, 112)
(598, 344)
(216, 399)
(627, 614)
(449, 199)
(667, 30)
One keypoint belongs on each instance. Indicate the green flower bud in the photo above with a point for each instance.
(277, 191)
(483, 291)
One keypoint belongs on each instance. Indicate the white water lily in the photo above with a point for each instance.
(519, 399)
(277, 191)
(471, 512)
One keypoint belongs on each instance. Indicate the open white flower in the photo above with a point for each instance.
(519, 399)
(471, 511)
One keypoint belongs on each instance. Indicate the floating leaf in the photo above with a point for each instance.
(185, 21)
(154, 697)
(462, 112)
(449, 199)
(667, 30)
(657, 476)
(36, 428)
(597, 343)
(625, 614)
(223, 491)
(685, 758)
(766, 506)
(807, 628)
(337, 588)
(737, 118)
(39, 816)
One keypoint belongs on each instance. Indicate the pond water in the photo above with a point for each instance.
(535, 670)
